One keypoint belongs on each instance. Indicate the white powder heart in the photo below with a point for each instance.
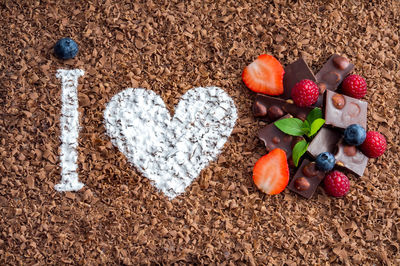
(170, 152)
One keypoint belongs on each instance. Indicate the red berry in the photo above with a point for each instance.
(336, 184)
(305, 93)
(354, 86)
(271, 172)
(374, 144)
(264, 75)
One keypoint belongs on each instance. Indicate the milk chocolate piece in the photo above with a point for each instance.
(275, 138)
(276, 108)
(295, 72)
(350, 158)
(332, 73)
(325, 140)
(341, 111)
(306, 179)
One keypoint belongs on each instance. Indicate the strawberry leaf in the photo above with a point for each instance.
(291, 126)
(315, 126)
(298, 150)
(313, 115)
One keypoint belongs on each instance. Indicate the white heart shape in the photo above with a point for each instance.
(170, 152)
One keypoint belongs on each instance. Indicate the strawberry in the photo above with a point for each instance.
(264, 75)
(271, 172)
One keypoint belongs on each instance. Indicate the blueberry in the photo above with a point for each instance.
(325, 161)
(354, 135)
(66, 48)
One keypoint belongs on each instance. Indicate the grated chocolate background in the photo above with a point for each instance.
(170, 47)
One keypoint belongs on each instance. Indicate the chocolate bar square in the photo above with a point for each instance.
(294, 73)
(333, 72)
(325, 141)
(274, 138)
(341, 111)
(350, 158)
(270, 109)
(306, 179)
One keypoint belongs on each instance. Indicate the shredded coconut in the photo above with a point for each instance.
(69, 123)
(170, 152)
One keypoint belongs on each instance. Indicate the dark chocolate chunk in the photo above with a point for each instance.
(325, 141)
(332, 73)
(294, 73)
(350, 158)
(306, 181)
(341, 111)
(276, 108)
(275, 138)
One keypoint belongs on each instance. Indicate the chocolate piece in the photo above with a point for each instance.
(325, 140)
(274, 138)
(353, 111)
(295, 72)
(306, 179)
(350, 158)
(276, 108)
(332, 74)
(334, 71)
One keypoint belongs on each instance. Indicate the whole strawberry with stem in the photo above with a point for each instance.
(374, 144)
(336, 184)
(305, 93)
(354, 86)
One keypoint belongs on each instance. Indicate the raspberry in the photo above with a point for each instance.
(336, 184)
(374, 144)
(354, 86)
(305, 93)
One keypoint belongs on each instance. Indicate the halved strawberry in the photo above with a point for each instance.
(271, 172)
(265, 75)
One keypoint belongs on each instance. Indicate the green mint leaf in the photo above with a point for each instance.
(313, 115)
(298, 150)
(316, 125)
(291, 126)
(306, 127)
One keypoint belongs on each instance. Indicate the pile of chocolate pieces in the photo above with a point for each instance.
(339, 112)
